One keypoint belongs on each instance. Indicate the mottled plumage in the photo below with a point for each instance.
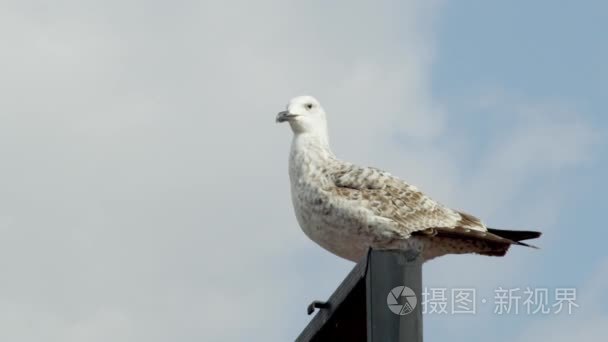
(347, 208)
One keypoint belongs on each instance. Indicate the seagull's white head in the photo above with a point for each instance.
(305, 115)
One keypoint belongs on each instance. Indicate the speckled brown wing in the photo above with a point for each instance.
(394, 199)
(419, 215)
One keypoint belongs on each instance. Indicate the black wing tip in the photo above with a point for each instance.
(525, 244)
(516, 235)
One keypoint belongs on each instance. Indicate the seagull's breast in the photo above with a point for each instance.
(338, 225)
(328, 223)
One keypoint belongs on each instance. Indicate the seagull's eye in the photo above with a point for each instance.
(308, 106)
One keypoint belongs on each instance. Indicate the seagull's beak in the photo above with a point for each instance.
(285, 116)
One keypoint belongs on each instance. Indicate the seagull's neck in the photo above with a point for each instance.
(314, 146)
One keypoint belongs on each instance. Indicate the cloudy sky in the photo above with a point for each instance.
(144, 189)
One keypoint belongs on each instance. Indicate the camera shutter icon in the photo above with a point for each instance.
(401, 300)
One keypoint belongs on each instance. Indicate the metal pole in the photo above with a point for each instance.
(394, 295)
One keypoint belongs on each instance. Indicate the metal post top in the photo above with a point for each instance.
(362, 309)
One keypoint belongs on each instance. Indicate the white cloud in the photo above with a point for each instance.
(128, 211)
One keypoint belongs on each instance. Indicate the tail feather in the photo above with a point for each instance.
(494, 242)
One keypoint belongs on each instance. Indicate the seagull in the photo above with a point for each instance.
(347, 209)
